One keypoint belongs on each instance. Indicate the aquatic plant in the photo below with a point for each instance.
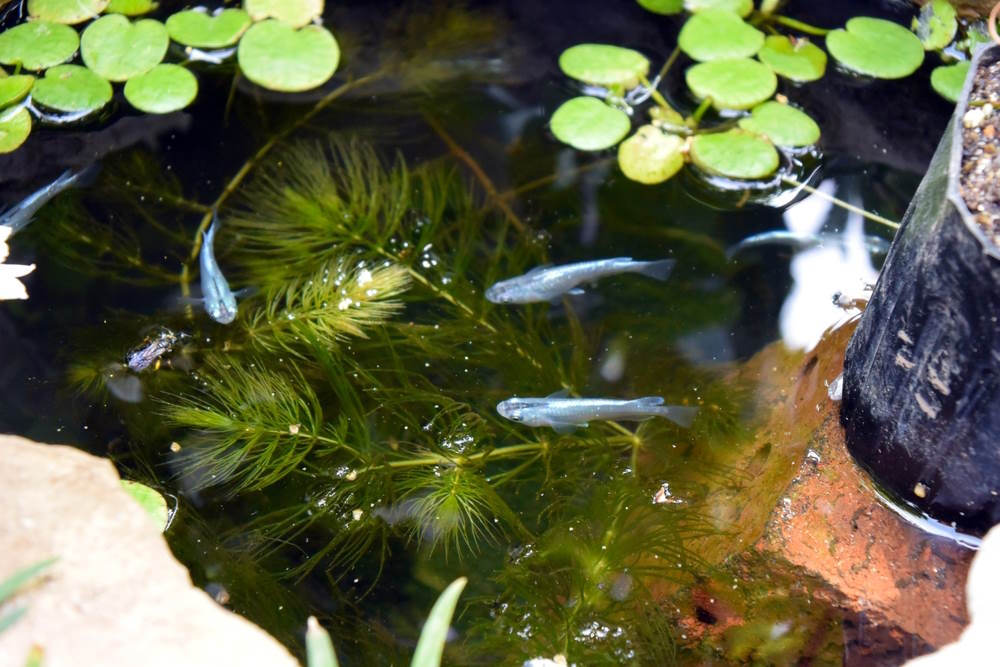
(274, 47)
(735, 70)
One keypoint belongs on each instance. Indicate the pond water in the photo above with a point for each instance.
(336, 451)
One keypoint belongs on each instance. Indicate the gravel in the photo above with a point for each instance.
(980, 184)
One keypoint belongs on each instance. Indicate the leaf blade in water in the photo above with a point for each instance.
(319, 647)
(430, 646)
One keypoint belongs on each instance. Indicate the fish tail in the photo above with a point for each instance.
(658, 270)
(85, 177)
(681, 415)
(212, 229)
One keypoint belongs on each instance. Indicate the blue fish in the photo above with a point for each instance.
(220, 302)
(545, 283)
(875, 245)
(18, 216)
(565, 415)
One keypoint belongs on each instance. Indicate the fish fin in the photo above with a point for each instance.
(564, 428)
(576, 291)
(86, 176)
(658, 270)
(537, 269)
(244, 292)
(562, 393)
(649, 401)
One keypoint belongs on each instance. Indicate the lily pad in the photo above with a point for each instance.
(717, 34)
(732, 84)
(947, 80)
(876, 47)
(66, 11)
(738, 7)
(150, 500)
(38, 44)
(131, 7)
(295, 13)
(798, 60)
(15, 88)
(15, 126)
(936, 25)
(118, 49)
(604, 65)
(587, 124)
(71, 88)
(650, 155)
(203, 31)
(783, 124)
(275, 56)
(663, 6)
(735, 154)
(163, 89)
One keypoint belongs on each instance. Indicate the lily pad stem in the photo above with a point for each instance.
(655, 94)
(249, 165)
(696, 117)
(799, 26)
(874, 217)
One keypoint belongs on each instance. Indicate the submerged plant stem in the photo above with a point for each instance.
(799, 25)
(252, 162)
(874, 217)
(484, 180)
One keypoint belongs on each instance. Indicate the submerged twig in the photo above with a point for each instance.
(874, 217)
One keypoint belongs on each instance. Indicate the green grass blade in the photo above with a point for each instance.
(13, 617)
(319, 648)
(430, 647)
(10, 585)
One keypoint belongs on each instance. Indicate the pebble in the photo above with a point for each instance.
(973, 117)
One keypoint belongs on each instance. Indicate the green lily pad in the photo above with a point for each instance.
(150, 500)
(203, 31)
(738, 7)
(66, 11)
(734, 154)
(275, 56)
(71, 88)
(876, 47)
(163, 89)
(798, 60)
(131, 7)
(936, 25)
(663, 6)
(717, 34)
(38, 44)
(587, 124)
(118, 49)
(295, 13)
(651, 155)
(15, 126)
(15, 88)
(732, 84)
(947, 80)
(604, 65)
(783, 124)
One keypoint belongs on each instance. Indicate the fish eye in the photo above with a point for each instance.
(516, 416)
(505, 298)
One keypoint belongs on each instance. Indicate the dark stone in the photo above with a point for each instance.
(921, 404)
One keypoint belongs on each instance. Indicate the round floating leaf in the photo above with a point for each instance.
(66, 11)
(604, 64)
(735, 154)
(71, 88)
(782, 124)
(663, 6)
(716, 34)
(937, 24)
(275, 56)
(198, 29)
(650, 155)
(163, 89)
(150, 500)
(587, 124)
(798, 60)
(947, 80)
(118, 49)
(739, 7)
(732, 84)
(38, 44)
(15, 126)
(13, 89)
(131, 7)
(876, 47)
(295, 13)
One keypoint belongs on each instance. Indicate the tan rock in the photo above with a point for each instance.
(116, 596)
